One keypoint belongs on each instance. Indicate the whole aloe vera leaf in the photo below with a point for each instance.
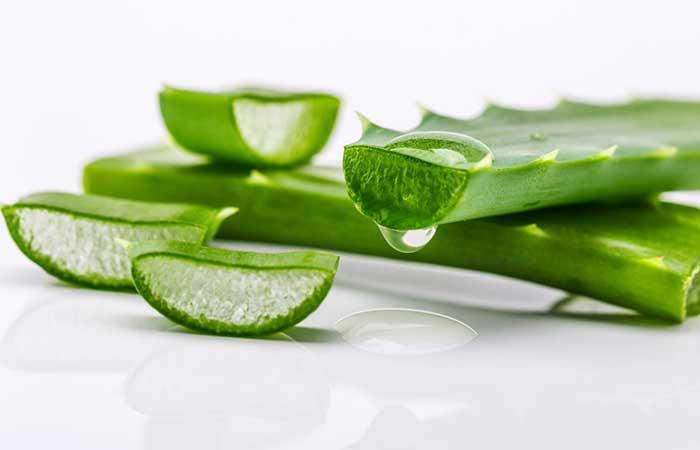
(507, 160)
(650, 267)
(73, 237)
(229, 292)
(255, 127)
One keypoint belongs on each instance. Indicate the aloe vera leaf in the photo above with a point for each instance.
(73, 237)
(255, 127)
(229, 292)
(507, 160)
(588, 250)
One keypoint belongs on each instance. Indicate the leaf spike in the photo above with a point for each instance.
(364, 121)
(569, 102)
(534, 229)
(488, 105)
(560, 103)
(497, 108)
(225, 213)
(605, 154)
(424, 111)
(257, 177)
(548, 157)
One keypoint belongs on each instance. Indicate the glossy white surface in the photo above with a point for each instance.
(83, 369)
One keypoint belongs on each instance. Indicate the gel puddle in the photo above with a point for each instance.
(398, 331)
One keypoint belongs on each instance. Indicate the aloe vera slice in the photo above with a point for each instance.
(228, 292)
(255, 127)
(73, 237)
(640, 256)
(507, 160)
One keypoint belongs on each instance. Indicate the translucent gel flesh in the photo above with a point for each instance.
(228, 294)
(87, 246)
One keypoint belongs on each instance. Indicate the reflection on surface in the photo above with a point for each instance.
(394, 427)
(398, 331)
(219, 433)
(227, 393)
(99, 332)
(226, 377)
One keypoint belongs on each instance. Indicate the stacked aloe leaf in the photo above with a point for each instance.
(565, 197)
(589, 173)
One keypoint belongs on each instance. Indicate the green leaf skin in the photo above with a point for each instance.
(589, 250)
(252, 127)
(570, 154)
(73, 237)
(228, 292)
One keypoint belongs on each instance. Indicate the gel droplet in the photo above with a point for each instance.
(397, 331)
(407, 241)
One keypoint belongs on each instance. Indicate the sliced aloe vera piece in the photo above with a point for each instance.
(73, 237)
(641, 256)
(228, 292)
(507, 160)
(255, 127)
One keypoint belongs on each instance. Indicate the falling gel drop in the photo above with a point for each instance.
(397, 331)
(407, 241)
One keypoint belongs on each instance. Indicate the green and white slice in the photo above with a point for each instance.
(254, 127)
(73, 237)
(229, 292)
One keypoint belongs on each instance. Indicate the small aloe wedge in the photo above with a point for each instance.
(73, 237)
(643, 256)
(254, 127)
(228, 292)
(507, 160)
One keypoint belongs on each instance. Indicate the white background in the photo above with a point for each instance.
(88, 370)
(79, 78)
